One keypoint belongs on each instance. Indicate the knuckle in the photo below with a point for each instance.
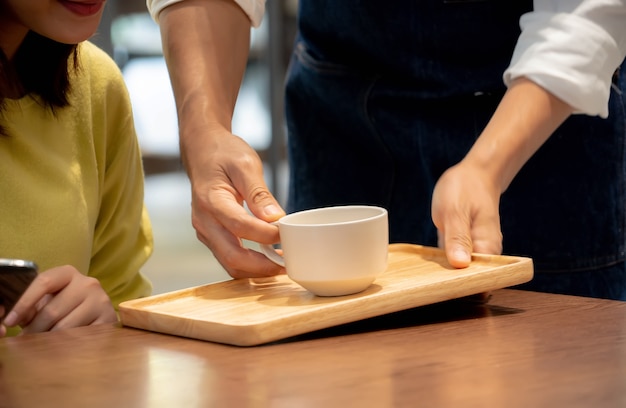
(45, 281)
(247, 160)
(259, 194)
(50, 313)
(92, 282)
(237, 224)
(196, 223)
(460, 239)
(230, 260)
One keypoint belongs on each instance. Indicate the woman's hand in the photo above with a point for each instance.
(61, 298)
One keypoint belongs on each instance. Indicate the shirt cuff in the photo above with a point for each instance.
(570, 56)
(253, 8)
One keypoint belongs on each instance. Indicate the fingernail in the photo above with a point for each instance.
(11, 319)
(462, 255)
(271, 210)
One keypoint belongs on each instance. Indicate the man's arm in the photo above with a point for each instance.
(206, 44)
(465, 205)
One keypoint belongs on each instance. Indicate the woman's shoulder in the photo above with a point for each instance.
(90, 54)
(97, 66)
(99, 89)
(98, 81)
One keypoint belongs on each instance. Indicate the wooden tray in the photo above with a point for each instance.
(246, 312)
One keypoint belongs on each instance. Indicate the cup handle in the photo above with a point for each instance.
(271, 254)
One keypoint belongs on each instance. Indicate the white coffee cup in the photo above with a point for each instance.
(333, 251)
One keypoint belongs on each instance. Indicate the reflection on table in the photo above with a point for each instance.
(522, 349)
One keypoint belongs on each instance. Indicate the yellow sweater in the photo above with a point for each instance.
(71, 184)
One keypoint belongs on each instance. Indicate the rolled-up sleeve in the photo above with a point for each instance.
(253, 8)
(572, 48)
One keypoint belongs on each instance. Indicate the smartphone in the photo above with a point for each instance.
(15, 277)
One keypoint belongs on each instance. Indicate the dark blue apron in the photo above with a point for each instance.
(383, 96)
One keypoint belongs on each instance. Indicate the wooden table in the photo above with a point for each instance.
(522, 349)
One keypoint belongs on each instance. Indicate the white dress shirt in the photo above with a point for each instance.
(572, 48)
(569, 47)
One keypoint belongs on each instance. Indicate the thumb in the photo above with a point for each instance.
(263, 204)
(454, 235)
(458, 247)
(460, 239)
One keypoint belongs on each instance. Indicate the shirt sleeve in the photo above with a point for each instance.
(253, 8)
(572, 48)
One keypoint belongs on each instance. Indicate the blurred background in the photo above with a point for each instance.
(132, 38)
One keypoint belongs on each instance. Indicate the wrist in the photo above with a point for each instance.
(525, 118)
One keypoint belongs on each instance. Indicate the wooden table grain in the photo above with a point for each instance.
(521, 349)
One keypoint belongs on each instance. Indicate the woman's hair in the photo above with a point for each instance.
(40, 67)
